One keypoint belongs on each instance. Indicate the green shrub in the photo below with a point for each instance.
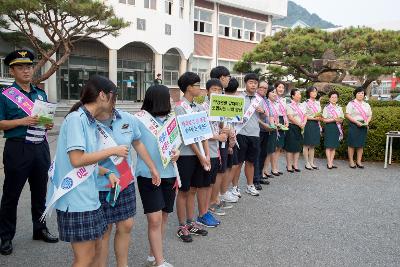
(385, 118)
(377, 103)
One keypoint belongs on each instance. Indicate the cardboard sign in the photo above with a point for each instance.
(226, 107)
(168, 139)
(195, 127)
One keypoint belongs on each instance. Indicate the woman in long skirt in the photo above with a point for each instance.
(333, 134)
(359, 113)
(312, 131)
(294, 137)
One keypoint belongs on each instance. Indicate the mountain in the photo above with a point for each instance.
(297, 12)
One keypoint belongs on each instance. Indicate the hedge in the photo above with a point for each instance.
(385, 118)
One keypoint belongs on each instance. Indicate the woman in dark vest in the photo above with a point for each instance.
(333, 134)
(312, 131)
(359, 113)
(294, 137)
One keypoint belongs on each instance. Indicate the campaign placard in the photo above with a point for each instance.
(195, 127)
(168, 139)
(226, 108)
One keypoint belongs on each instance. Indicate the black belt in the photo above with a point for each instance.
(16, 139)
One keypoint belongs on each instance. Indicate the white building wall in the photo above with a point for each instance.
(181, 38)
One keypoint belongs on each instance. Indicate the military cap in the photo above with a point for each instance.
(23, 56)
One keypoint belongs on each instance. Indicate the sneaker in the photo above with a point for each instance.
(258, 186)
(166, 264)
(151, 262)
(213, 218)
(229, 197)
(252, 190)
(184, 234)
(196, 229)
(236, 191)
(225, 205)
(206, 221)
(217, 210)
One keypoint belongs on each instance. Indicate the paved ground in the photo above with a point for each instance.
(320, 218)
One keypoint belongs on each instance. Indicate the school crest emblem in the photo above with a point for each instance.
(67, 183)
(125, 126)
(40, 97)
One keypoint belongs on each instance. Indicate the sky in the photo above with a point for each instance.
(353, 12)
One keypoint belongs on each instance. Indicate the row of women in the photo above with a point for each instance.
(301, 125)
(93, 160)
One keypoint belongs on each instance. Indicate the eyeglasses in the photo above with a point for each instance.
(196, 84)
(263, 87)
(23, 67)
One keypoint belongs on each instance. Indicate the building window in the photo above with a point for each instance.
(202, 67)
(181, 8)
(152, 4)
(171, 62)
(141, 24)
(129, 2)
(167, 29)
(202, 20)
(168, 6)
(239, 28)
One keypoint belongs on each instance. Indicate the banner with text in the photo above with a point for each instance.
(168, 139)
(226, 108)
(195, 127)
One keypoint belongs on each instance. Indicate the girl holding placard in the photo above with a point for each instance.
(157, 198)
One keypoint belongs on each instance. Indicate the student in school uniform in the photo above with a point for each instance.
(192, 166)
(214, 86)
(122, 127)
(158, 198)
(281, 107)
(248, 132)
(294, 136)
(231, 196)
(223, 74)
(333, 130)
(312, 130)
(271, 132)
(80, 218)
(359, 114)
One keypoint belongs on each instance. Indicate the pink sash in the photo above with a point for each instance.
(333, 113)
(283, 110)
(360, 110)
(18, 98)
(312, 106)
(298, 111)
(274, 111)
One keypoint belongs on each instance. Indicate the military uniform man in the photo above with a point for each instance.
(26, 154)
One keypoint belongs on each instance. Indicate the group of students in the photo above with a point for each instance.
(92, 175)
(271, 125)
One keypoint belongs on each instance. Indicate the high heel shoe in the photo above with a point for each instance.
(291, 171)
(267, 175)
(296, 170)
(315, 167)
(275, 174)
(308, 168)
(329, 167)
(353, 167)
(359, 166)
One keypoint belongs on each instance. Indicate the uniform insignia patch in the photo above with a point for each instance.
(125, 126)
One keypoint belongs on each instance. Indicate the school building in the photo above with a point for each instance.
(167, 37)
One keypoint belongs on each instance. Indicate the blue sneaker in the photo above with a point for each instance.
(206, 221)
(209, 214)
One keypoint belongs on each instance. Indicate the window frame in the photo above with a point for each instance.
(198, 22)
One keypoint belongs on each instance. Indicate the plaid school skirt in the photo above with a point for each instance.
(81, 226)
(124, 208)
